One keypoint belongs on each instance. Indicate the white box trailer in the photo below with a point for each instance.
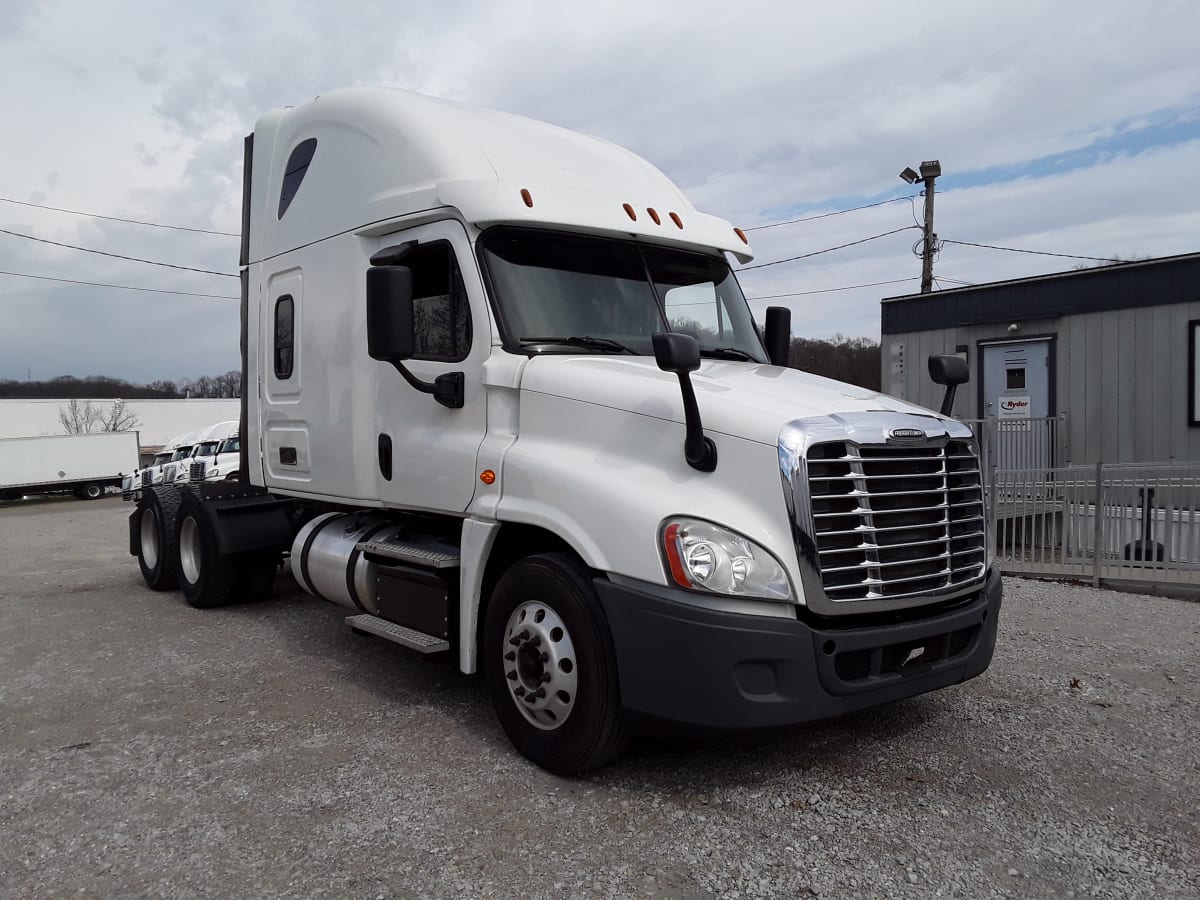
(84, 464)
(505, 399)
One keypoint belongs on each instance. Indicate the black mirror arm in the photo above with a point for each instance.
(948, 400)
(448, 390)
(699, 451)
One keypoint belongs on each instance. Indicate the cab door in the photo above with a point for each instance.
(426, 452)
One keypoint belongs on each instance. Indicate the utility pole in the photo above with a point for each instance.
(930, 170)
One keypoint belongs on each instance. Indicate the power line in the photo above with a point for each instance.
(148, 262)
(836, 212)
(873, 237)
(849, 287)
(124, 287)
(1020, 250)
(954, 280)
(75, 212)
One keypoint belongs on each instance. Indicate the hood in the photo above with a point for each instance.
(745, 400)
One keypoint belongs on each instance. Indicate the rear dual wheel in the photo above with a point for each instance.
(209, 578)
(157, 537)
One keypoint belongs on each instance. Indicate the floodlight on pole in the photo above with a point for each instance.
(930, 170)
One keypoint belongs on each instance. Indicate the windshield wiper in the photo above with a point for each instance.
(592, 343)
(726, 353)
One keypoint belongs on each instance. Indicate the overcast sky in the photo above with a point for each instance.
(1065, 127)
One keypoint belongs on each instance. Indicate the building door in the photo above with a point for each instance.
(1016, 390)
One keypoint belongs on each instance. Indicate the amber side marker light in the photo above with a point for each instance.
(629, 211)
(678, 221)
(654, 215)
(487, 476)
(741, 234)
(527, 197)
(674, 560)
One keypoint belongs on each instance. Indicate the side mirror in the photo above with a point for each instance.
(950, 371)
(778, 334)
(391, 336)
(680, 353)
(390, 313)
(676, 352)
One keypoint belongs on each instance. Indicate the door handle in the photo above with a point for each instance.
(385, 456)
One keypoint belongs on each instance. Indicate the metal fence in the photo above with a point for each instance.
(1022, 444)
(1123, 522)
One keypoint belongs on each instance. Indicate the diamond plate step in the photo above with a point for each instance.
(398, 634)
(413, 554)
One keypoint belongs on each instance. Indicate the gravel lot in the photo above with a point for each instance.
(149, 749)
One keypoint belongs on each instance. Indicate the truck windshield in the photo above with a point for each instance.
(182, 453)
(574, 294)
(230, 445)
(208, 448)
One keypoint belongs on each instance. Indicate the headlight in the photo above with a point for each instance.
(706, 557)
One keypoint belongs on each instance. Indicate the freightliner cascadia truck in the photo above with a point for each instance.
(504, 398)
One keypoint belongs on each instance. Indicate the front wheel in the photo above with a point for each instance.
(550, 666)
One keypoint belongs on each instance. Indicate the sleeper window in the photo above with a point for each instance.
(285, 332)
(441, 314)
(294, 172)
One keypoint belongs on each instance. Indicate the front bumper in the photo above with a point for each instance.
(690, 665)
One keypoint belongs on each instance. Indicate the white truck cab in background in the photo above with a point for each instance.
(505, 398)
(206, 462)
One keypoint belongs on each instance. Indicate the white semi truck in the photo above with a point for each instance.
(81, 464)
(505, 398)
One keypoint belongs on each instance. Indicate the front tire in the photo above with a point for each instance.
(157, 537)
(550, 666)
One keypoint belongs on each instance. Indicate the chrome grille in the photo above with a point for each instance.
(147, 478)
(894, 522)
(197, 472)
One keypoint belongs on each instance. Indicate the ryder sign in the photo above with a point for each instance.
(1014, 407)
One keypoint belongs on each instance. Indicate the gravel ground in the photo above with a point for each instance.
(149, 749)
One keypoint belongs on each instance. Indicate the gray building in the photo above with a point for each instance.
(1112, 350)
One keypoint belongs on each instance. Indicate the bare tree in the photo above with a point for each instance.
(84, 417)
(164, 387)
(119, 418)
(229, 384)
(78, 417)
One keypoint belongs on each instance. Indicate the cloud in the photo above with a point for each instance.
(1070, 127)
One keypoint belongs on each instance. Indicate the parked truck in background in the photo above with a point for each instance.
(505, 398)
(217, 454)
(82, 464)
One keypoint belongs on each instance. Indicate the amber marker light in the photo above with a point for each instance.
(671, 541)
(678, 221)
(487, 476)
(742, 235)
(527, 197)
(629, 211)
(654, 215)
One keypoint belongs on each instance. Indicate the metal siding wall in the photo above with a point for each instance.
(1121, 378)
(1073, 383)
(1123, 383)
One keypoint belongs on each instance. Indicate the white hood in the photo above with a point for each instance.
(745, 400)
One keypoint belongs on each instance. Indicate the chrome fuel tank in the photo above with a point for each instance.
(328, 565)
